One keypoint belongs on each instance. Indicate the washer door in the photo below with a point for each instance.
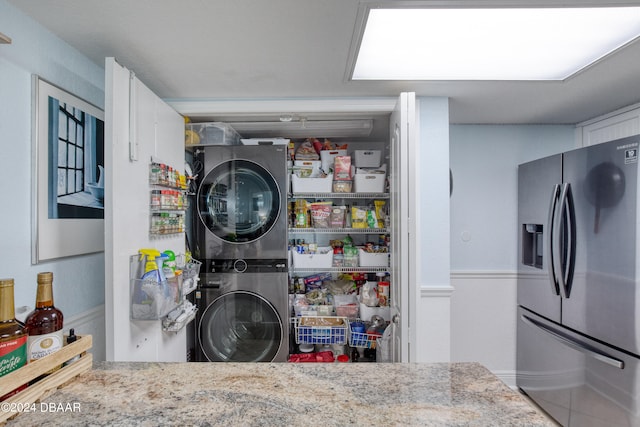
(239, 201)
(240, 327)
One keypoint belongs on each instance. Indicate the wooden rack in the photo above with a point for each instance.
(39, 367)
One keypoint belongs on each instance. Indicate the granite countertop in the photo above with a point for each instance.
(284, 394)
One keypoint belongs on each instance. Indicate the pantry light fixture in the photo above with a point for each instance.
(521, 43)
(303, 128)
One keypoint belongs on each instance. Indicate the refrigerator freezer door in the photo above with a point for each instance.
(538, 190)
(605, 296)
(578, 381)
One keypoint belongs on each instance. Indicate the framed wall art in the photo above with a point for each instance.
(68, 174)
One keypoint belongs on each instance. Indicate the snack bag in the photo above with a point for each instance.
(358, 217)
(306, 152)
(320, 214)
(337, 217)
(342, 168)
(380, 212)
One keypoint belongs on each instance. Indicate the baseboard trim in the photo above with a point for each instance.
(88, 316)
(443, 291)
(484, 274)
(507, 377)
(90, 322)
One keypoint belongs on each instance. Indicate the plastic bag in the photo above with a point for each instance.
(306, 151)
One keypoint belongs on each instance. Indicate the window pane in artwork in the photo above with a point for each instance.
(71, 156)
(61, 182)
(70, 181)
(72, 131)
(79, 181)
(62, 125)
(80, 135)
(62, 153)
(78, 158)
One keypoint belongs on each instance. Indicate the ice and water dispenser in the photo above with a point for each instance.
(532, 246)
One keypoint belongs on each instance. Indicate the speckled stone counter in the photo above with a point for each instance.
(285, 394)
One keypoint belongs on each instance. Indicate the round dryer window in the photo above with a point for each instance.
(239, 201)
(240, 327)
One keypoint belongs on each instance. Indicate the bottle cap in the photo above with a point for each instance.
(6, 282)
(72, 336)
(45, 277)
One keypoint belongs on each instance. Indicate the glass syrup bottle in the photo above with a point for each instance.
(13, 335)
(44, 324)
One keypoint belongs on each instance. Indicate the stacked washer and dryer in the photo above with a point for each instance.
(240, 233)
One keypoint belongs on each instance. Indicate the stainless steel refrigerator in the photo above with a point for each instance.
(578, 343)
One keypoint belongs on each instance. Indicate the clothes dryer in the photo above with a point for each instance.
(242, 203)
(243, 312)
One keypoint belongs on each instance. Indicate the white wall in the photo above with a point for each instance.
(433, 290)
(484, 160)
(78, 281)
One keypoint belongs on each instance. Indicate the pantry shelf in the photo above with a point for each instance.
(339, 230)
(294, 196)
(340, 269)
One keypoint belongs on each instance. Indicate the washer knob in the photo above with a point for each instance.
(240, 266)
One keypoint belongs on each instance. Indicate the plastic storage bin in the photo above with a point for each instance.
(212, 133)
(323, 258)
(367, 158)
(369, 182)
(327, 157)
(366, 312)
(346, 306)
(349, 311)
(265, 141)
(311, 185)
(314, 165)
(373, 259)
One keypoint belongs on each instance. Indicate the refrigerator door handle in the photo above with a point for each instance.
(573, 343)
(571, 240)
(549, 240)
(565, 240)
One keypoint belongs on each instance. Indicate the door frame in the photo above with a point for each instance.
(359, 105)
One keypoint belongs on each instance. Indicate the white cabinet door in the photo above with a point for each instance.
(614, 127)
(138, 126)
(402, 179)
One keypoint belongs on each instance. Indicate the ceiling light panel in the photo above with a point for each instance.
(490, 44)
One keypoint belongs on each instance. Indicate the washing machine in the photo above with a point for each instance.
(242, 202)
(243, 312)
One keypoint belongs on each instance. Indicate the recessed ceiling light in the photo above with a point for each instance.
(490, 43)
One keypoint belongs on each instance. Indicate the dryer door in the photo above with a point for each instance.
(240, 327)
(239, 201)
